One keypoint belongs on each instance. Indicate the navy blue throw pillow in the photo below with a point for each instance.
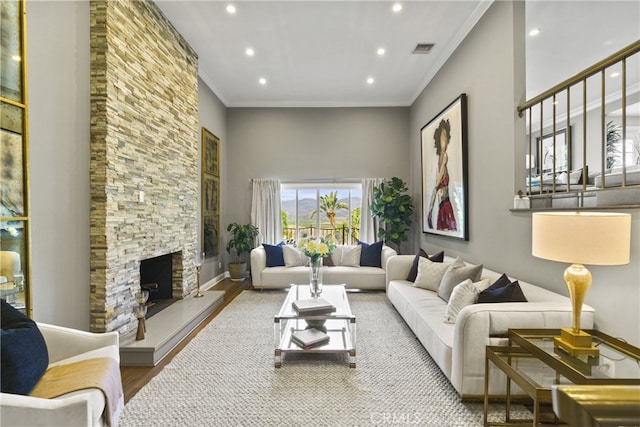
(24, 357)
(275, 258)
(371, 255)
(510, 292)
(413, 273)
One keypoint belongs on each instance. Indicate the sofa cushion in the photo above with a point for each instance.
(293, 257)
(24, 357)
(275, 257)
(439, 257)
(462, 295)
(506, 293)
(371, 254)
(457, 273)
(347, 255)
(430, 274)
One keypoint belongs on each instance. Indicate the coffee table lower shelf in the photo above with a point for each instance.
(341, 339)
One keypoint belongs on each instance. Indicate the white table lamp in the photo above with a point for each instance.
(595, 238)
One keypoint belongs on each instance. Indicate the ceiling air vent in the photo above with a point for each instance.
(422, 48)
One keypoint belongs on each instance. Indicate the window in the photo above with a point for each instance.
(321, 210)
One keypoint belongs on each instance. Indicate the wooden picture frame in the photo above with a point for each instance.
(445, 207)
(210, 195)
(210, 153)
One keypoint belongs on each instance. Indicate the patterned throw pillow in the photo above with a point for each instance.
(462, 295)
(439, 257)
(293, 257)
(347, 255)
(430, 274)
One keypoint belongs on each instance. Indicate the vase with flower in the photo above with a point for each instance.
(316, 249)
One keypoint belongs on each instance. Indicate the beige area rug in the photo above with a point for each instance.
(225, 377)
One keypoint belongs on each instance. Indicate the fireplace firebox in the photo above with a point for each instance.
(156, 276)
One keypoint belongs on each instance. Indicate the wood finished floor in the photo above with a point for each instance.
(136, 377)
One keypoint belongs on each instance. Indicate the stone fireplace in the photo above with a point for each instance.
(144, 157)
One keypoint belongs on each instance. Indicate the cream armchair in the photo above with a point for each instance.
(80, 408)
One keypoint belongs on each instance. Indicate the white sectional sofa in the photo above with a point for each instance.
(353, 277)
(459, 348)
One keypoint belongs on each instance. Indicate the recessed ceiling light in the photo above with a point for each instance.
(231, 9)
(614, 74)
(370, 80)
(262, 81)
(534, 32)
(249, 52)
(381, 51)
(397, 7)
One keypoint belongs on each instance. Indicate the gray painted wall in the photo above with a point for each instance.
(310, 143)
(58, 79)
(213, 116)
(485, 67)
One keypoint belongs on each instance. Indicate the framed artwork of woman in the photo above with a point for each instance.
(444, 172)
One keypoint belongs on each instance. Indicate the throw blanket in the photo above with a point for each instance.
(102, 373)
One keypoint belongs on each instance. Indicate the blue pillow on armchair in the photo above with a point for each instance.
(275, 257)
(371, 254)
(24, 356)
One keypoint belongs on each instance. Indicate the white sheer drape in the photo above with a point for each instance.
(265, 210)
(368, 225)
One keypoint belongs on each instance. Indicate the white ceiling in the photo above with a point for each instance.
(320, 53)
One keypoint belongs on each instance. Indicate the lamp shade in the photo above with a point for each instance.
(592, 238)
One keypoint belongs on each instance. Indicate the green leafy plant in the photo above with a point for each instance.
(394, 209)
(243, 238)
(613, 137)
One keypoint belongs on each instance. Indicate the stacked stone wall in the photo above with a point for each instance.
(144, 155)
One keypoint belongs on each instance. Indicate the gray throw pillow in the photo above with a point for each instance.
(457, 273)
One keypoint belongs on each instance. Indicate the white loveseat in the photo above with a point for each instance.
(282, 277)
(79, 408)
(459, 348)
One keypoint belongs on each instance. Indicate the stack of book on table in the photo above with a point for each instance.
(313, 306)
(309, 338)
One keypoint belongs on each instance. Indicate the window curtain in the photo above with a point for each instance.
(265, 210)
(368, 225)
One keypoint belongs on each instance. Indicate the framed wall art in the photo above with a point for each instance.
(445, 208)
(560, 156)
(210, 197)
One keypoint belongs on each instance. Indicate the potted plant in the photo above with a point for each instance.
(243, 239)
(394, 209)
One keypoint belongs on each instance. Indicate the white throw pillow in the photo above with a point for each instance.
(430, 274)
(293, 257)
(466, 293)
(347, 255)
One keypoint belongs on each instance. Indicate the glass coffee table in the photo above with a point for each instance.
(532, 361)
(340, 325)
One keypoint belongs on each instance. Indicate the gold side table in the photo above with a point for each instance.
(533, 363)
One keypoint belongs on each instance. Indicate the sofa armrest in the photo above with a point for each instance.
(477, 326)
(258, 263)
(63, 343)
(398, 267)
(74, 410)
(387, 253)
